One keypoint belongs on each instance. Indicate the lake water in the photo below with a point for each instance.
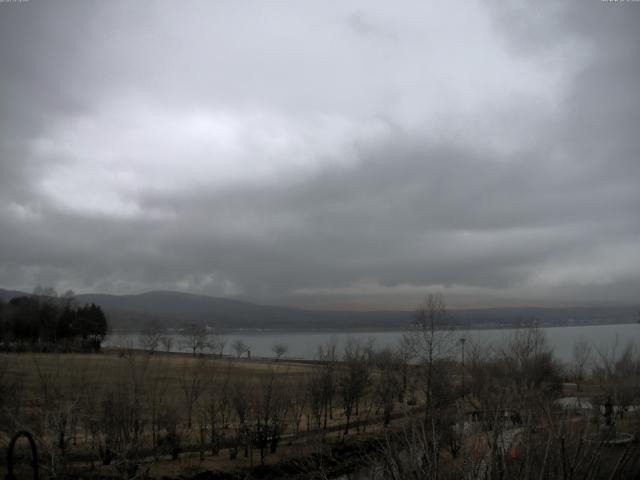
(305, 344)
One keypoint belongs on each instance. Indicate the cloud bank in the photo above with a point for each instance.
(354, 154)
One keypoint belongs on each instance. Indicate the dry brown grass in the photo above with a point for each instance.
(84, 379)
(68, 371)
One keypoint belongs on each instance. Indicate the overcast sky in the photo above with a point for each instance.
(334, 154)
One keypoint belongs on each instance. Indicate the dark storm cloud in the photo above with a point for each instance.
(325, 156)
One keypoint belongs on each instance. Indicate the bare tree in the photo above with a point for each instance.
(218, 405)
(316, 394)
(58, 410)
(430, 342)
(68, 299)
(239, 347)
(192, 386)
(149, 338)
(156, 403)
(328, 355)
(580, 360)
(279, 350)
(45, 293)
(166, 341)
(354, 379)
(481, 371)
(404, 355)
(217, 342)
(529, 360)
(11, 398)
(194, 338)
(271, 405)
(618, 371)
(243, 405)
(299, 396)
(121, 418)
(388, 382)
(171, 437)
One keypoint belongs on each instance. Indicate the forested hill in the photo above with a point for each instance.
(174, 309)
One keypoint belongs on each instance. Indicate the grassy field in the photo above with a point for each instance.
(35, 370)
(130, 414)
(77, 395)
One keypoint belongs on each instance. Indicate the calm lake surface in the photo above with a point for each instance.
(305, 344)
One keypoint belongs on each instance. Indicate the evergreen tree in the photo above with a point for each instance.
(45, 320)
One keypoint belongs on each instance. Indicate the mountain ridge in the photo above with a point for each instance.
(172, 309)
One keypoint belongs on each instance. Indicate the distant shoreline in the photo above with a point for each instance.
(378, 329)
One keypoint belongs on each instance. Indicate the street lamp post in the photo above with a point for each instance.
(462, 441)
(462, 340)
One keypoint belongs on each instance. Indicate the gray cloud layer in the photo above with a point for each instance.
(353, 154)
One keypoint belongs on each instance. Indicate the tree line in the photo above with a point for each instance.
(45, 321)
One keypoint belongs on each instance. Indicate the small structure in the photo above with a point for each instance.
(576, 405)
